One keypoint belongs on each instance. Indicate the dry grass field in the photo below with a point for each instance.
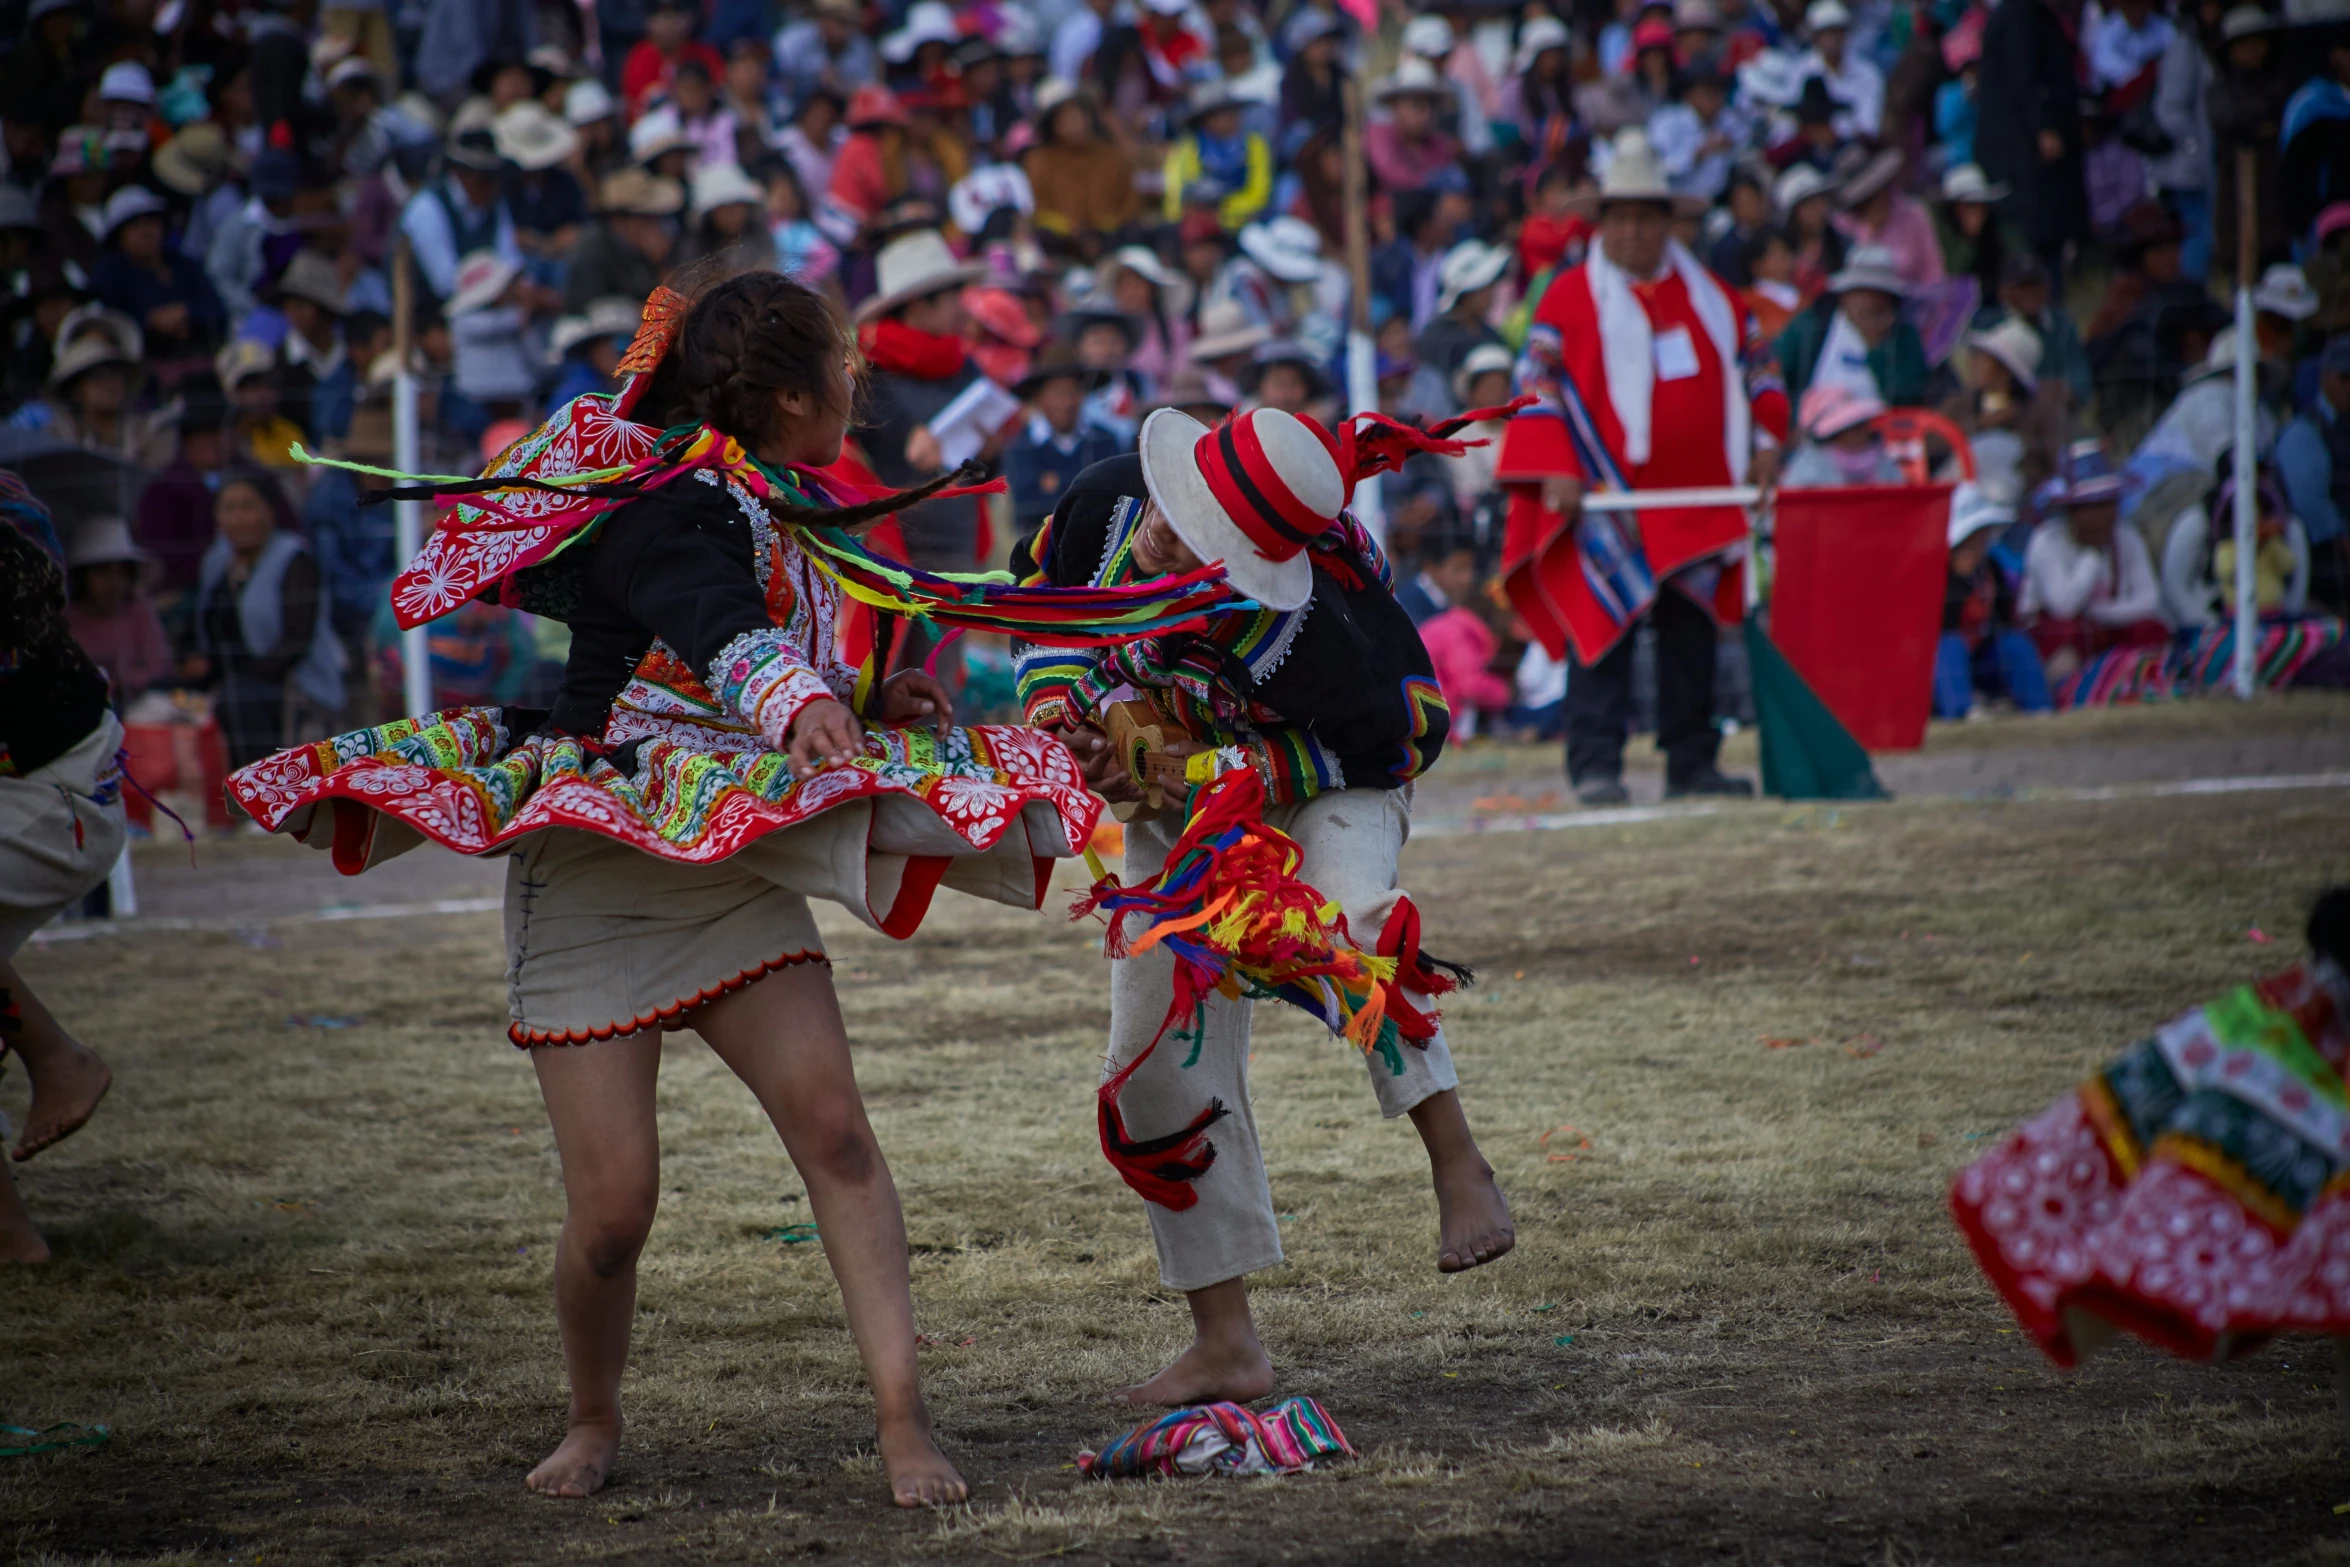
(302, 1269)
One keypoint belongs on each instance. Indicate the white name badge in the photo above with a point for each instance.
(1676, 355)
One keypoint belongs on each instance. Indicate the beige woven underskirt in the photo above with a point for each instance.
(57, 840)
(604, 940)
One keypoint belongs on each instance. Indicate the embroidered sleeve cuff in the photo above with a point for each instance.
(1294, 765)
(761, 678)
(1046, 678)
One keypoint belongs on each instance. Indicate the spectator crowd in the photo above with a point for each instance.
(2019, 218)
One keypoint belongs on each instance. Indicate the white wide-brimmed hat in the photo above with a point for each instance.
(913, 266)
(2218, 359)
(1869, 267)
(1634, 172)
(634, 193)
(1484, 359)
(1413, 77)
(587, 101)
(104, 541)
(531, 136)
(1540, 35)
(1467, 267)
(611, 316)
(1798, 185)
(1224, 330)
(481, 278)
(1968, 182)
(137, 201)
(927, 22)
(1823, 16)
(724, 185)
(1429, 36)
(2283, 290)
(1175, 290)
(1972, 509)
(2014, 344)
(1289, 248)
(1249, 494)
(658, 131)
(1876, 174)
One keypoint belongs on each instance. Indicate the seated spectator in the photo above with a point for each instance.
(263, 434)
(1105, 339)
(2025, 295)
(625, 251)
(1955, 101)
(1819, 138)
(1158, 301)
(813, 139)
(1700, 134)
(728, 214)
(1537, 110)
(544, 197)
(356, 545)
(91, 382)
(1282, 374)
(1203, 394)
(175, 511)
(2089, 585)
(1059, 441)
(1805, 197)
(1854, 336)
(1557, 230)
(1853, 81)
(317, 384)
(1406, 270)
(1748, 203)
(826, 50)
(1214, 146)
(1981, 650)
(1082, 175)
(1771, 295)
(1877, 213)
(1405, 147)
(1444, 574)
(108, 611)
(2180, 458)
(1226, 339)
(1461, 645)
(587, 348)
(702, 114)
(2199, 562)
(651, 67)
(1422, 399)
(263, 640)
(2154, 322)
(1482, 381)
(1841, 442)
(2018, 434)
(158, 287)
(495, 370)
(463, 211)
(2313, 461)
(1464, 303)
(911, 334)
(1976, 241)
(1274, 275)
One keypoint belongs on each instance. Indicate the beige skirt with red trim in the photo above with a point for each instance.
(604, 940)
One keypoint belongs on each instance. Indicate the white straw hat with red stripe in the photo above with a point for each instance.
(1250, 493)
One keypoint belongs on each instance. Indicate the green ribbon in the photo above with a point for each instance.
(793, 1234)
(47, 1440)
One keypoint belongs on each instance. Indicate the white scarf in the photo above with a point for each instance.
(1844, 360)
(1628, 351)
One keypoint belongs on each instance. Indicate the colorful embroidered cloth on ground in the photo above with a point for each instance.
(2192, 1192)
(1222, 1439)
(2191, 664)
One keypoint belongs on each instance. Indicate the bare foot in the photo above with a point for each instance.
(20, 1242)
(1238, 1371)
(1472, 1218)
(919, 1474)
(65, 1091)
(581, 1465)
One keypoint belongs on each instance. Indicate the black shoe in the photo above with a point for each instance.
(1709, 780)
(1601, 792)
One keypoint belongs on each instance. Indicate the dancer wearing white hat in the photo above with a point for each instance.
(1649, 375)
(1323, 690)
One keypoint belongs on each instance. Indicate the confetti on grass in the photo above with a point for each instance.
(25, 1441)
(1582, 1145)
(793, 1234)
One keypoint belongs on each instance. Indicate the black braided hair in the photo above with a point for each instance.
(747, 338)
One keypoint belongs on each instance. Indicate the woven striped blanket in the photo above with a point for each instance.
(2195, 662)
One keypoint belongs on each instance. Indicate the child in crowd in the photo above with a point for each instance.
(1981, 650)
(495, 375)
(108, 610)
(2089, 585)
(1460, 641)
(1841, 443)
(2199, 560)
(1768, 260)
(1060, 439)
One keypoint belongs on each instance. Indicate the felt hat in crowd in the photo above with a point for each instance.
(2283, 290)
(1285, 351)
(126, 81)
(914, 266)
(1966, 182)
(2244, 21)
(640, 193)
(87, 353)
(1195, 391)
(657, 132)
(1797, 186)
(1428, 36)
(1829, 411)
(874, 104)
(1413, 77)
(2088, 476)
(611, 316)
(1484, 359)
(1000, 314)
(586, 101)
(1175, 290)
(193, 161)
(1467, 267)
(1225, 329)
(104, 541)
(1250, 493)
(1869, 267)
(482, 277)
(1289, 248)
(1881, 170)
(132, 201)
(1814, 104)
(1635, 172)
(2014, 344)
(1826, 16)
(532, 137)
(312, 276)
(1539, 36)
(474, 148)
(2218, 359)
(1972, 509)
(724, 185)
(927, 22)
(1059, 362)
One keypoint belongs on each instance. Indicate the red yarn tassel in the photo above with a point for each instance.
(1160, 1169)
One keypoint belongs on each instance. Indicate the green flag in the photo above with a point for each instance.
(1806, 753)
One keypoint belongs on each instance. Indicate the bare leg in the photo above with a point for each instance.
(19, 1241)
(1225, 1361)
(1472, 1217)
(784, 1038)
(600, 1103)
(68, 1078)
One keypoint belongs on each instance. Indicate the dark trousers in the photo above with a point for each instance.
(1599, 697)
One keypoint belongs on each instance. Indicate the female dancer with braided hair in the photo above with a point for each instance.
(706, 770)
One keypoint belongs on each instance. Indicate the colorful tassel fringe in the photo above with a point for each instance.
(1229, 907)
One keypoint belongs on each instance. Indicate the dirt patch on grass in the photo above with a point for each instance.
(303, 1270)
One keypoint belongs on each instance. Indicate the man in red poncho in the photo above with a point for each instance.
(1642, 365)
